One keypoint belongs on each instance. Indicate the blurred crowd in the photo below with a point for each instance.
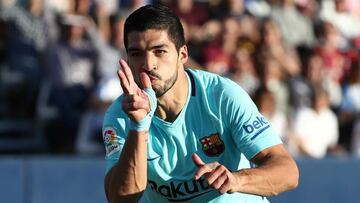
(298, 60)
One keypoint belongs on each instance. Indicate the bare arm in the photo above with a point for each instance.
(127, 180)
(276, 172)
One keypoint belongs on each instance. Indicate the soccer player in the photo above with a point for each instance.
(184, 135)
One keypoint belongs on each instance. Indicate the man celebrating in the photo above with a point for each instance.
(183, 135)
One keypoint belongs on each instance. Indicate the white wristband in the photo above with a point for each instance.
(145, 123)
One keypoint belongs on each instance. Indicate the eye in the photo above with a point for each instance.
(160, 52)
(134, 54)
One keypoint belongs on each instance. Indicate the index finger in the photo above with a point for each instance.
(197, 160)
(127, 71)
(207, 168)
(124, 82)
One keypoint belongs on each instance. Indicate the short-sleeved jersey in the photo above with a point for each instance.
(219, 122)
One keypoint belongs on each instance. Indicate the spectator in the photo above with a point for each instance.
(185, 9)
(354, 7)
(272, 77)
(351, 101)
(218, 54)
(333, 62)
(109, 50)
(131, 5)
(71, 70)
(316, 128)
(265, 101)
(350, 107)
(249, 29)
(336, 11)
(195, 25)
(108, 88)
(25, 43)
(226, 8)
(243, 69)
(81, 7)
(299, 90)
(295, 28)
(273, 46)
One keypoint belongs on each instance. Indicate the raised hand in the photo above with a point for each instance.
(135, 102)
(216, 175)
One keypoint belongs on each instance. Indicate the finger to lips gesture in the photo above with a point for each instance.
(135, 102)
(216, 175)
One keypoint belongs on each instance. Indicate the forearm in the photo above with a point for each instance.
(127, 180)
(278, 174)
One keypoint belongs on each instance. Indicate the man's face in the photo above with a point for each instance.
(154, 53)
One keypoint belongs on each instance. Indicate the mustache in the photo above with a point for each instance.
(153, 74)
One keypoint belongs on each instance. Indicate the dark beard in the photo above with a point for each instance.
(168, 84)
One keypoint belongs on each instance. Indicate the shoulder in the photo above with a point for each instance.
(215, 84)
(207, 77)
(222, 95)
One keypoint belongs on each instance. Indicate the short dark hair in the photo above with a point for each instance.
(157, 17)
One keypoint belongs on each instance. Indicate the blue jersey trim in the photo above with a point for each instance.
(260, 131)
(193, 92)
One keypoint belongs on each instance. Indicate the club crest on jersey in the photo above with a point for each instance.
(212, 145)
(110, 140)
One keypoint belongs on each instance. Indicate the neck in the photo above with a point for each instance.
(173, 101)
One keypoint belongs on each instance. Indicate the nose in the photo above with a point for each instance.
(149, 62)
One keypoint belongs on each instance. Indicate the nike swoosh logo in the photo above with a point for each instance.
(152, 159)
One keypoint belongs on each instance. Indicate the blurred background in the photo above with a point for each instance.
(298, 60)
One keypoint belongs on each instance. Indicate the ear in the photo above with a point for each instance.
(183, 54)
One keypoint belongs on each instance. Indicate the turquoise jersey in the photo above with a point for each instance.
(219, 122)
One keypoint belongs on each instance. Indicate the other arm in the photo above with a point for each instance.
(127, 180)
(276, 172)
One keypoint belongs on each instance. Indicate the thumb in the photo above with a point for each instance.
(145, 80)
(197, 160)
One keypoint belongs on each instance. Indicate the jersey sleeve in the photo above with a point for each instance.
(249, 128)
(114, 136)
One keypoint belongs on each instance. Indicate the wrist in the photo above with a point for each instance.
(240, 177)
(145, 123)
